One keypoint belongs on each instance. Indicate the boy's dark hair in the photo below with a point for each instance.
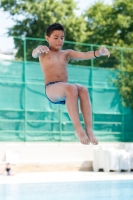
(53, 27)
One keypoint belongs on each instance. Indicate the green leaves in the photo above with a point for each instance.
(32, 18)
(125, 86)
(37, 15)
(110, 24)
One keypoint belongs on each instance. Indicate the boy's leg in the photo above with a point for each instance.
(69, 92)
(86, 111)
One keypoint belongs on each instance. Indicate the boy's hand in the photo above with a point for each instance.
(42, 49)
(104, 52)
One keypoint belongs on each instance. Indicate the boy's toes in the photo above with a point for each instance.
(88, 141)
(95, 142)
(85, 141)
(92, 138)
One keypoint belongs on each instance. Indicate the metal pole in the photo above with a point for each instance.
(25, 96)
(122, 117)
(92, 65)
(60, 121)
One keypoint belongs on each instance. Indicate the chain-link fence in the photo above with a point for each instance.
(27, 115)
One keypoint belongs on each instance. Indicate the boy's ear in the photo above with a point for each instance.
(47, 38)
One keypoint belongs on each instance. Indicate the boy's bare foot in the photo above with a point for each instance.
(81, 135)
(92, 137)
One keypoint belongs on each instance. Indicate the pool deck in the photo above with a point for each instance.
(44, 177)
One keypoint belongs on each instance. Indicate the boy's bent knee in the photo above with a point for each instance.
(83, 90)
(72, 89)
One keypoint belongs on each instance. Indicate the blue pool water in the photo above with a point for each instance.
(95, 190)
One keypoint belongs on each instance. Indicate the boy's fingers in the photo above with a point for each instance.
(42, 49)
(104, 51)
(45, 49)
(108, 53)
(39, 51)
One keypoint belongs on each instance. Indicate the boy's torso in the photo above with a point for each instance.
(54, 66)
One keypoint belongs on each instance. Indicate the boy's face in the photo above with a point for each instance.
(56, 39)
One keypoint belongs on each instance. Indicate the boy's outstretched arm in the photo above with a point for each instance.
(89, 54)
(39, 50)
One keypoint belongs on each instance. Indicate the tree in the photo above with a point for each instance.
(124, 80)
(110, 25)
(113, 25)
(124, 84)
(32, 17)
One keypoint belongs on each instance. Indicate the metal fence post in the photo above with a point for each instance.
(25, 96)
(60, 121)
(92, 65)
(122, 117)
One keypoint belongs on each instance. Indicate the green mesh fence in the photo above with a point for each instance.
(27, 115)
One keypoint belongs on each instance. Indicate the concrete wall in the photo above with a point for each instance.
(51, 152)
(42, 157)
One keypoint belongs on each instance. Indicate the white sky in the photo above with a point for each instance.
(6, 22)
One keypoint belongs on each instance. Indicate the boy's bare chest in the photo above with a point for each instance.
(52, 60)
(56, 59)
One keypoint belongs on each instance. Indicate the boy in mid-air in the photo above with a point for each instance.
(54, 62)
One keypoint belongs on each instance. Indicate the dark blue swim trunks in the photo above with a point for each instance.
(58, 102)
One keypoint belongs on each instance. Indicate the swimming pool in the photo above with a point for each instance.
(83, 190)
